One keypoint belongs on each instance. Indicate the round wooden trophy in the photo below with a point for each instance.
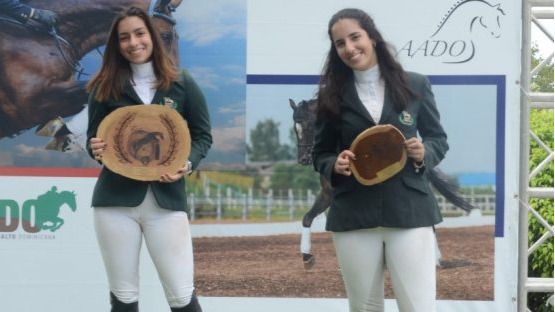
(380, 154)
(145, 141)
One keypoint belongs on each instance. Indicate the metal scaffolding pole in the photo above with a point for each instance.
(532, 10)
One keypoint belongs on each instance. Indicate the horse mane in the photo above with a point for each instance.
(310, 106)
(454, 7)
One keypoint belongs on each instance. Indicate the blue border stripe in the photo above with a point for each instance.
(467, 80)
(500, 82)
(283, 79)
(500, 159)
(497, 80)
(434, 79)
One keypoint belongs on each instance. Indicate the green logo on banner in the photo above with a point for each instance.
(37, 214)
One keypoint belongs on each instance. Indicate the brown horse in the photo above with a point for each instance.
(71, 137)
(165, 24)
(39, 81)
(66, 140)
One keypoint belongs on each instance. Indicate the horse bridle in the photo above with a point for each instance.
(70, 60)
(164, 16)
(157, 13)
(307, 142)
(74, 64)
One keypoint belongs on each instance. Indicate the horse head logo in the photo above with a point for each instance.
(452, 42)
(47, 208)
(145, 146)
(472, 14)
(491, 21)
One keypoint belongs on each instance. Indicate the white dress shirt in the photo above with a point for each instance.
(371, 89)
(145, 81)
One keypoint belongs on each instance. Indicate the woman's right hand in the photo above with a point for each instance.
(342, 162)
(97, 147)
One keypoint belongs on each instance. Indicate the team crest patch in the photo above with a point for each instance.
(406, 119)
(170, 103)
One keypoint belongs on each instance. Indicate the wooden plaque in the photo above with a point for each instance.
(145, 141)
(380, 154)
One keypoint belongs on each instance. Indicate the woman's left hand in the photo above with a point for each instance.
(415, 149)
(169, 178)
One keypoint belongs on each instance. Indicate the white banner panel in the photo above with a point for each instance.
(431, 36)
(48, 252)
(471, 52)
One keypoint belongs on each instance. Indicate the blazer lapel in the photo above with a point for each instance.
(352, 100)
(130, 92)
(158, 95)
(387, 111)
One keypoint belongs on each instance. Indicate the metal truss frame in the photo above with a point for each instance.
(532, 12)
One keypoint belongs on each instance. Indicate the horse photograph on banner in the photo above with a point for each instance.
(43, 64)
(70, 137)
(42, 99)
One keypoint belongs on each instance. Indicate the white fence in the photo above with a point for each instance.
(291, 205)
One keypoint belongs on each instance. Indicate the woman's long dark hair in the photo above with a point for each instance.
(335, 73)
(116, 71)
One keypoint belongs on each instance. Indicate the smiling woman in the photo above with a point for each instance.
(135, 70)
(390, 221)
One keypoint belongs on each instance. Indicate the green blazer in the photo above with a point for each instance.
(405, 200)
(112, 189)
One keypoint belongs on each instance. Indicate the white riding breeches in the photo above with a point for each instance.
(167, 235)
(409, 255)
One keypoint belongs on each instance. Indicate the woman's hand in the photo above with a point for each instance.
(97, 147)
(342, 162)
(415, 149)
(169, 178)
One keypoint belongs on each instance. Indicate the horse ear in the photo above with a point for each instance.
(161, 5)
(292, 104)
(175, 3)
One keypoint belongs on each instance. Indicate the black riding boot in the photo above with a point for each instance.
(193, 306)
(118, 306)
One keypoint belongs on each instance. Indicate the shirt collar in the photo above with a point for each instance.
(371, 74)
(142, 71)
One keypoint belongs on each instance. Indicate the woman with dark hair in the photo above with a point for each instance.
(389, 223)
(135, 69)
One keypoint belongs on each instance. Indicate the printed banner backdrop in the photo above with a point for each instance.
(211, 47)
(49, 252)
(252, 59)
(474, 69)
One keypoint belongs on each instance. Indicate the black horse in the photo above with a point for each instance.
(304, 117)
